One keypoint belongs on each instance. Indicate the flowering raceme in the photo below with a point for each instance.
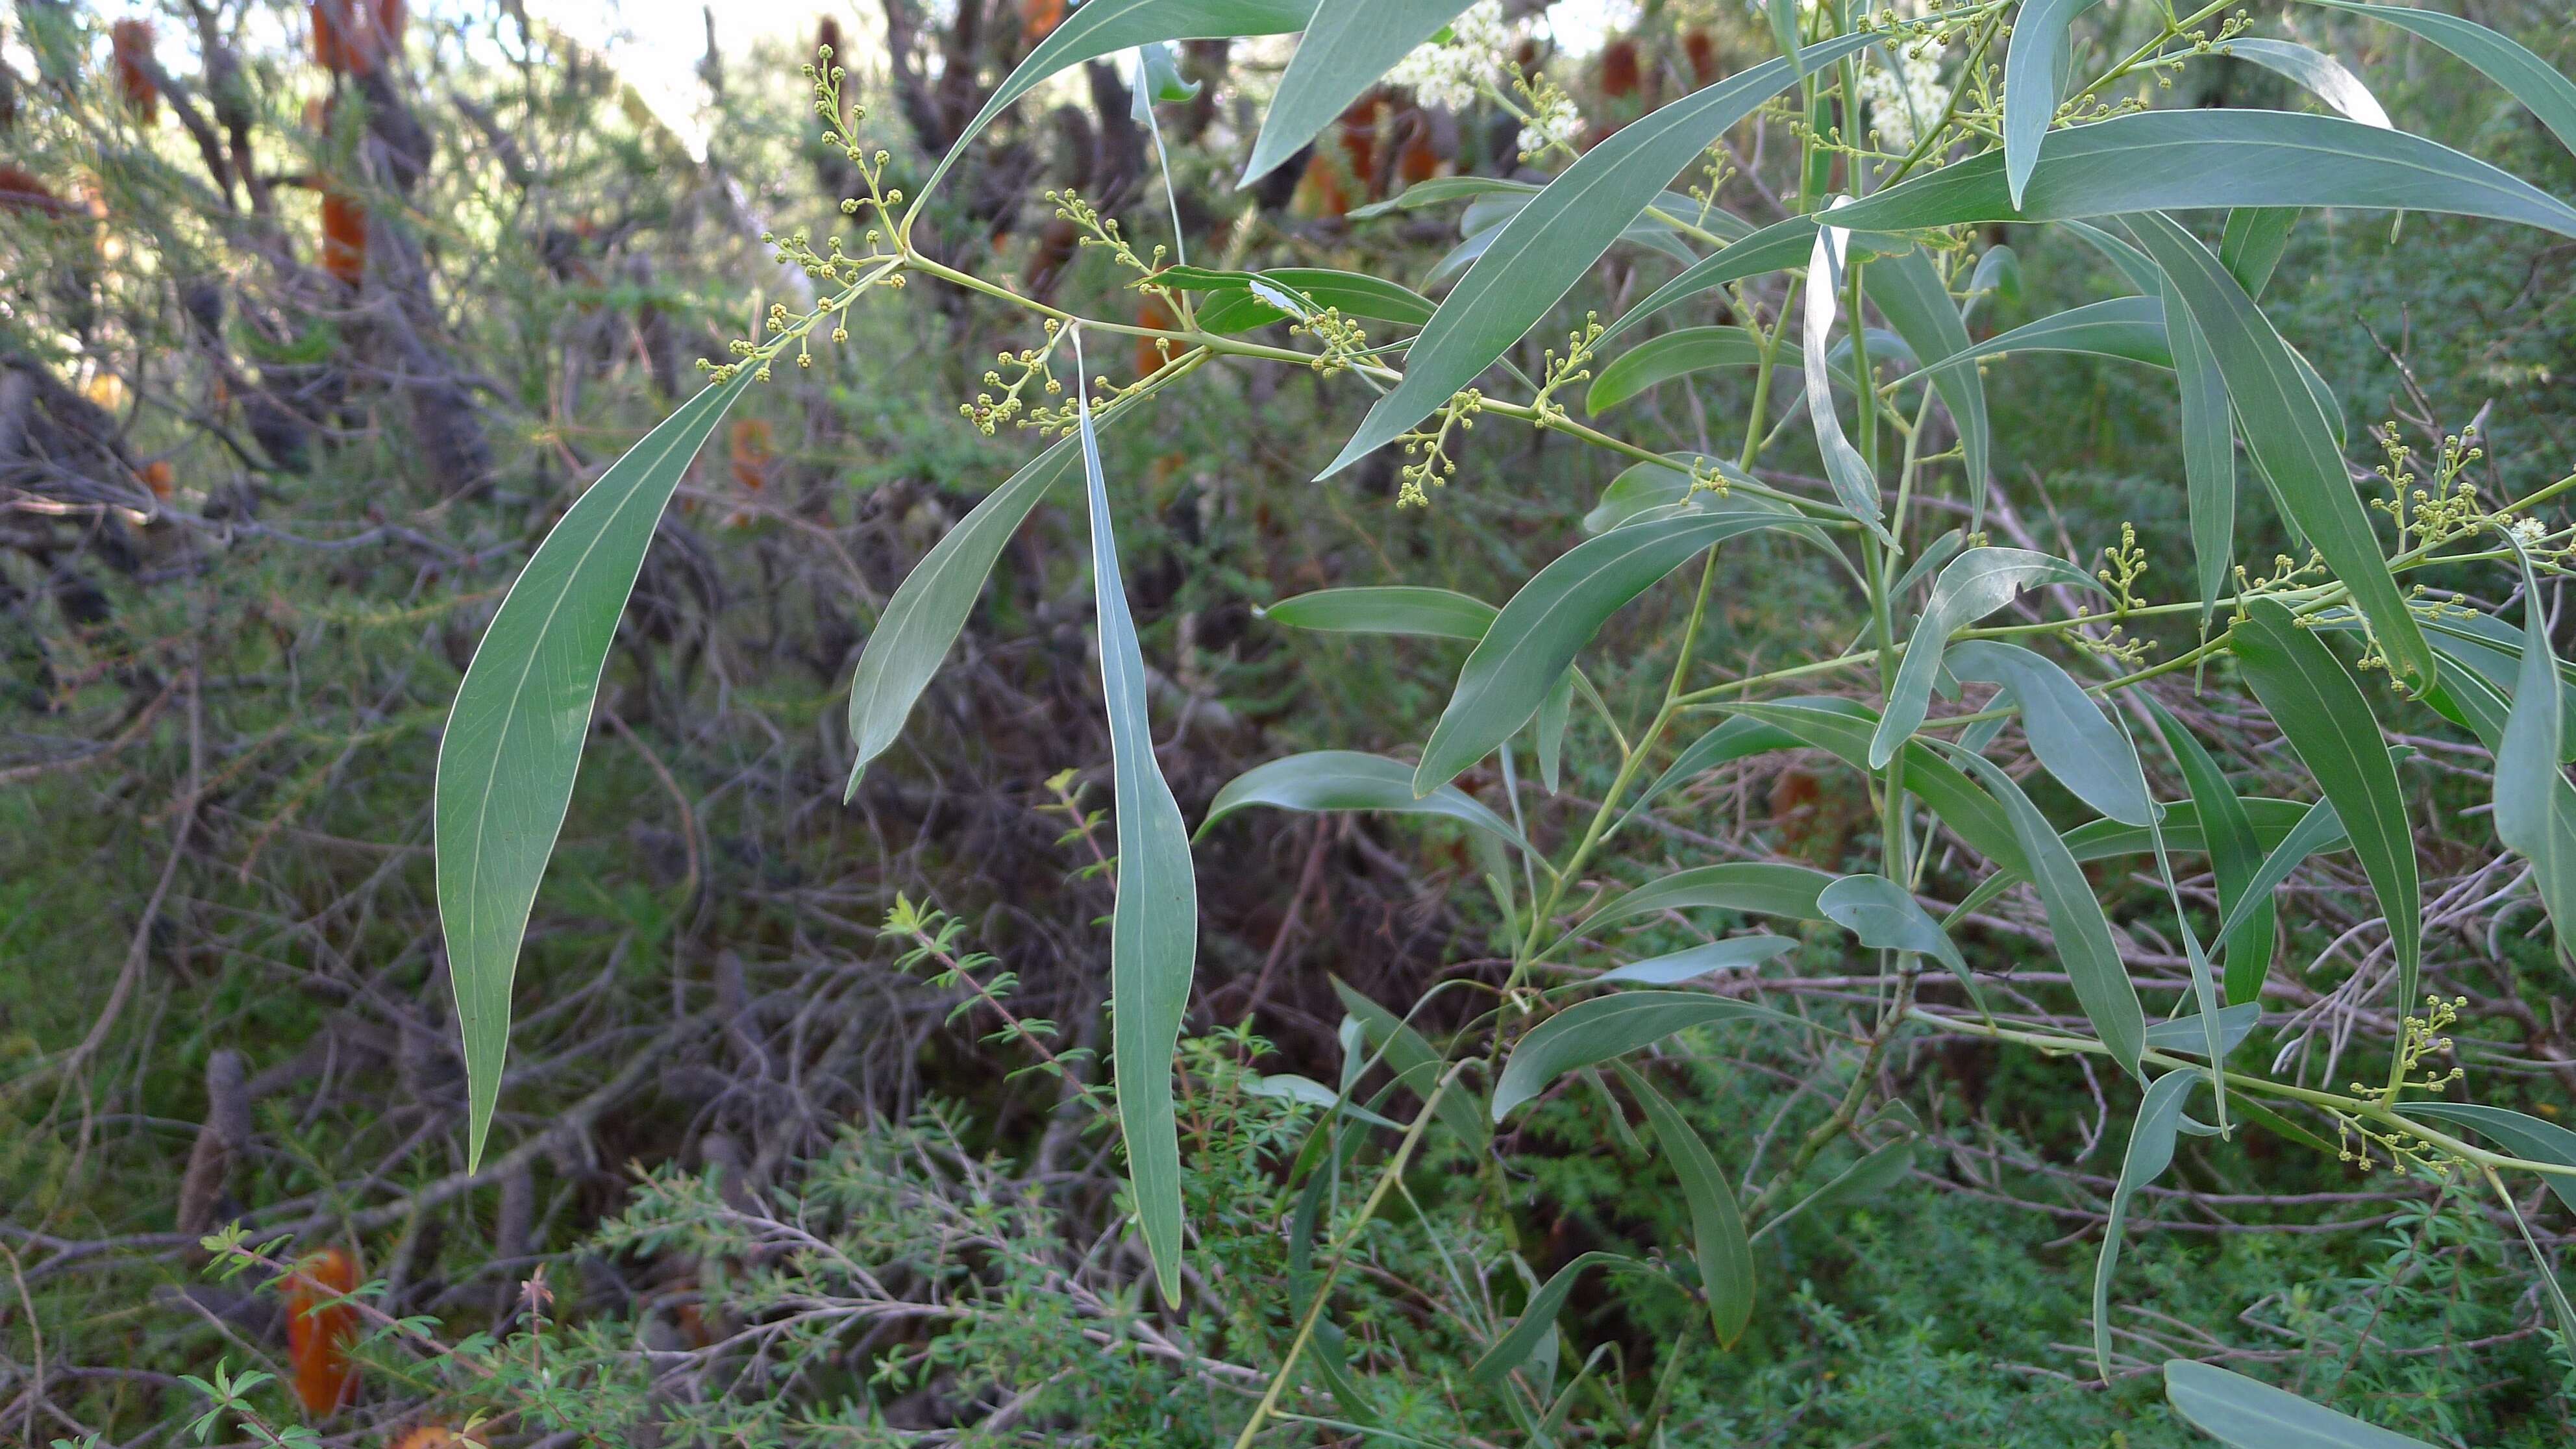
(1451, 74)
(1904, 101)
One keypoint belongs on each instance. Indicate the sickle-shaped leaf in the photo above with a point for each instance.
(2208, 449)
(513, 741)
(1105, 27)
(1546, 247)
(1349, 780)
(1735, 953)
(1346, 47)
(1154, 931)
(2523, 1136)
(1780, 245)
(2315, 70)
(1909, 292)
(2327, 720)
(1533, 641)
(1736, 739)
(1762, 888)
(1855, 486)
(2321, 829)
(2289, 434)
(921, 622)
(1884, 916)
(1415, 1064)
(2492, 649)
(2525, 76)
(2190, 1034)
(1537, 1320)
(1677, 354)
(1843, 728)
(1872, 1175)
(2530, 790)
(2068, 732)
(2131, 329)
(2034, 82)
(2234, 856)
(1643, 488)
(2151, 1150)
(2084, 944)
(1717, 1225)
(2292, 830)
(1609, 1026)
(2247, 1414)
(1784, 32)
(1975, 584)
(1387, 609)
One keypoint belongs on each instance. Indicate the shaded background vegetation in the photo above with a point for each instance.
(304, 343)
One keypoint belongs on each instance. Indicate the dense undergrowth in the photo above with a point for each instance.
(779, 1158)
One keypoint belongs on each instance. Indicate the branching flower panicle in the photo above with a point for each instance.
(1431, 447)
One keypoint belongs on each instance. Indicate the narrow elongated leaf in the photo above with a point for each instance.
(1105, 27)
(1884, 916)
(513, 741)
(2321, 829)
(1717, 1225)
(1349, 780)
(2191, 1034)
(2073, 739)
(1555, 712)
(1346, 47)
(2181, 160)
(2314, 69)
(1387, 609)
(1537, 1320)
(1870, 1177)
(2208, 449)
(1784, 32)
(2084, 944)
(2529, 786)
(1533, 641)
(1608, 1026)
(2327, 720)
(1546, 247)
(1908, 290)
(2522, 1135)
(1844, 728)
(1416, 1065)
(2133, 263)
(1289, 1087)
(2289, 434)
(2151, 1150)
(2487, 711)
(1678, 354)
(1975, 584)
(920, 624)
(2492, 649)
(2234, 856)
(1735, 953)
(2252, 246)
(1241, 307)
(1643, 488)
(2034, 83)
(2246, 1414)
(1762, 888)
(1855, 486)
(2131, 329)
(1736, 739)
(1154, 928)
(2289, 829)
(2525, 76)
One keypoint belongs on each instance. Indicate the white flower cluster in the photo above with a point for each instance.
(1554, 121)
(2530, 531)
(1902, 103)
(1451, 74)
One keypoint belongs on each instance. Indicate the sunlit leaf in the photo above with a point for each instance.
(2318, 72)
(2525, 76)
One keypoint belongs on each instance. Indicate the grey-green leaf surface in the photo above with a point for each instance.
(2320, 73)
(1415, 1064)
(2131, 329)
(2244, 1413)
(1784, 32)
(1644, 487)
(1678, 354)
(1757, 887)
(2530, 789)
(1539, 1317)
(1975, 584)
(1855, 486)
(1241, 308)
(1908, 291)
(2084, 943)
(2191, 1034)
(2185, 159)
(2234, 856)
(2252, 245)
(1717, 1224)
(1533, 641)
(1346, 47)
(2034, 78)
(512, 746)
(1735, 953)
(1884, 916)
(2151, 1150)
(1735, 739)
(2321, 829)
(2522, 1135)
(1874, 1174)
(2321, 710)
(2208, 449)
(1105, 27)
(1350, 780)
(2294, 829)
(1594, 1031)
(1545, 248)
(2492, 649)
(2072, 738)
(2288, 432)
(2526, 77)
(1555, 712)
(1387, 609)
(1844, 729)
(920, 624)
(1154, 928)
